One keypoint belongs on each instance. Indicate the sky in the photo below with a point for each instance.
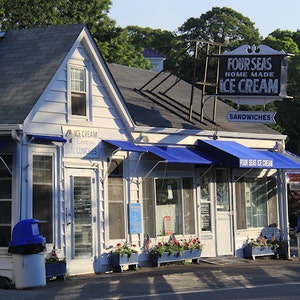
(267, 15)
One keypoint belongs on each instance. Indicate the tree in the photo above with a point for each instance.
(283, 40)
(112, 41)
(221, 25)
(162, 41)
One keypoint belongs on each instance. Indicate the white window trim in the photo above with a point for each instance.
(77, 119)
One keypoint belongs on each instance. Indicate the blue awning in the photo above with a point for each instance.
(234, 155)
(282, 160)
(125, 145)
(47, 138)
(179, 154)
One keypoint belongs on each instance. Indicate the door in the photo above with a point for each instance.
(81, 217)
(223, 214)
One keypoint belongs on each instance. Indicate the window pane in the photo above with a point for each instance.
(42, 169)
(5, 236)
(149, 207)
(5, 205)
(42, 193)
(4, 172)
(77, 80)
(42, 209)
(168, 207)
(5, 212)
(83, 216)
(188, 202)
(78, 104)
(222, 190)
(272, 201)
(240, 205)
(116, 221)
(256, 204)
(251, 203)
(205, 202)
(116, 200)
(5, 188)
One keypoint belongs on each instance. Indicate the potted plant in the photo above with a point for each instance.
(175, 250)
(55, 267)
(124, 253)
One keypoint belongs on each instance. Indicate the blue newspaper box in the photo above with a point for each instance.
(27, 247)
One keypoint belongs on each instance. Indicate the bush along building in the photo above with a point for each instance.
(102, 154)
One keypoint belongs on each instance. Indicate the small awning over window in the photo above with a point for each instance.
(234, 155)
(47, 138)
(125, 145)
(179, 154)
(283, 160)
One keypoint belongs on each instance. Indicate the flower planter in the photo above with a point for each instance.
(56, 269)
(252, 252)
(117, 261)
(193, 255)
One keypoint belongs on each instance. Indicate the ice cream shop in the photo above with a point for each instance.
(103, 154)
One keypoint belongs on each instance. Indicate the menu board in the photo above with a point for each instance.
(205, 217)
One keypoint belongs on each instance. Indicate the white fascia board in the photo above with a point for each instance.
(207, 133)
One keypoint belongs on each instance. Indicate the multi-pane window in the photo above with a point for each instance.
(255, 203)
(168, 206)
(116, 200)
(5, 199)
(42, 194)
(78, 91)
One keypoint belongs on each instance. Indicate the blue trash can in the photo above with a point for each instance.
(27, 247)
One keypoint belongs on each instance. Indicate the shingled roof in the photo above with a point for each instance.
(163, 100)
(29, 59)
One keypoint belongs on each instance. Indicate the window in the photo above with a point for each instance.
(170, 203)
(42, 182)
(116, 200)
(255, 203)
(5, 200)
(78, 91)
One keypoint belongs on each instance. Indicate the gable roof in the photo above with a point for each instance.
(29, 59)
(165, 102)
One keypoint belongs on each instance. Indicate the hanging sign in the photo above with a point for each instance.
(252, 73)
(135, 218)
(81, 142)
(251, 117)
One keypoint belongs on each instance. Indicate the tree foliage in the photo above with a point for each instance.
(289, 42)
(162, 41)
(112, 42)
(221, 25)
